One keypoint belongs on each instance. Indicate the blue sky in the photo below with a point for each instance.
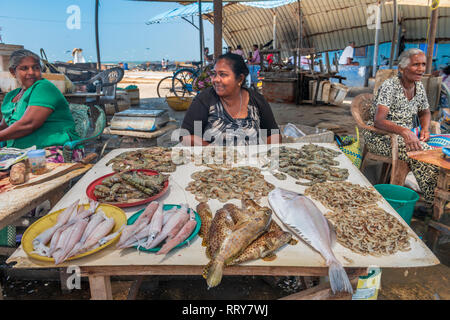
(124, 36)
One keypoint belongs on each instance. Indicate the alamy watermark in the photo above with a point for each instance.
(74, 19)
(374, 17)
(227, 148)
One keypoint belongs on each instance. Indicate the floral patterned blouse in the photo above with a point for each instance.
(401, 110)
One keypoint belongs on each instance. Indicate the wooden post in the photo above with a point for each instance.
(431, 40)
(100, 287)
(394, 34)
(327, 61)
(99, 63)
(217, 28)
(200, 27)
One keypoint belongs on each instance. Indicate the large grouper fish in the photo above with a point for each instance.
(302, 216)
(232, 230)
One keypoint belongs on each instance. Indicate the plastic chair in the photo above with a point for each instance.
(399, 169)
(106, 82)
(82, 115)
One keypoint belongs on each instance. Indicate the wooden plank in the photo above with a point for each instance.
(434, 156)
(134, 290)
(439, 226)
(288, 258)
(100, 288)
(15, 203)
(141, 134)
(54, 175)
(142, 270)
(322, 292)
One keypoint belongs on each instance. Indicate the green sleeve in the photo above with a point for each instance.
(46, 94)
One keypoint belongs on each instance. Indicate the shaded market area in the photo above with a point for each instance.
(128, 115)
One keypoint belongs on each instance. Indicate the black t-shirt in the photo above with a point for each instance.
(216, 125)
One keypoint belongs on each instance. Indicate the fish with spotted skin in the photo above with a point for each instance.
(205, 213)
(265, 246)
(302, 216)
(231, 231)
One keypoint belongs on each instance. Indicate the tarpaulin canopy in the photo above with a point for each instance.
(268, 4)
(181, 12)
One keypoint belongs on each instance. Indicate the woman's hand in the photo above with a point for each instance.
(424, 135)
(411, 141)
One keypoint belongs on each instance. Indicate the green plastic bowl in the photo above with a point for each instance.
(402, 199)
(166, 207)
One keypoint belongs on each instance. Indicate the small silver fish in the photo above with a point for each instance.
(302, 216)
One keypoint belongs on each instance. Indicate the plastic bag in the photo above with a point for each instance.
(292, 131)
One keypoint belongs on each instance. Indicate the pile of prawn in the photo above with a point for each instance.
(237, 183)
(360, 224)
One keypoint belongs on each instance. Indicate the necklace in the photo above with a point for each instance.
(240, 105)
(18, 97)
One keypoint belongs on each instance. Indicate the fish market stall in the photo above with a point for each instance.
(185, 187)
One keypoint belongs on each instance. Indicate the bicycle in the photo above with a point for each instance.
(186, 76)
(166, 87)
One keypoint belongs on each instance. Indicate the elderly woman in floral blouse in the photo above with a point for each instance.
(397, 102)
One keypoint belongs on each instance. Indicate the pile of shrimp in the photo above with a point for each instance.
(360, 224)
(343, 195)
(369, 231)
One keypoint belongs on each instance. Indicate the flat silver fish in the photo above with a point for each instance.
(302, 216)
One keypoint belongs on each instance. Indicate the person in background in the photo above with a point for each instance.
(208, 58)
(36, 113)
(229, 50)
(270, 59)
(78, 55)
(240, 52)
(254, 65)
(396, 104)
(228, 111)
(347, 55)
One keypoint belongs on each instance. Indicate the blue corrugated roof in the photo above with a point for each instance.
(268, 4)
(182, 12)
(208, 7)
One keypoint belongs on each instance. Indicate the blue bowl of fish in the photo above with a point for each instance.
(446, 151)
(167, 207)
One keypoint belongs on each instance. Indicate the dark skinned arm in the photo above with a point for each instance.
(411, 140)
(424, 119)
(193, 140)
(33, 118)
(3, 125)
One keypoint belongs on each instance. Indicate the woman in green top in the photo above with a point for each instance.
(36, 113)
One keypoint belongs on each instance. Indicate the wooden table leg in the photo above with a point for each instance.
(134, 290)
(322, 292)
(100, 287)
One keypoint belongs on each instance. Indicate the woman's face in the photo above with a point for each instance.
(224, 79)
(27, 72)
(415, 69)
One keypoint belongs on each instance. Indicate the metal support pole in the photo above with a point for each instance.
(399, 38)
(299, 35)
(200, 30)
(217, 28)
(394, 34)
(377, 40)
(274, 30)
(431, 40)
(99, 64)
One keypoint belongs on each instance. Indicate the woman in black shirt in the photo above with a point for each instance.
(228, 113)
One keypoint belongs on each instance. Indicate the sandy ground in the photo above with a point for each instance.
(430, 283)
